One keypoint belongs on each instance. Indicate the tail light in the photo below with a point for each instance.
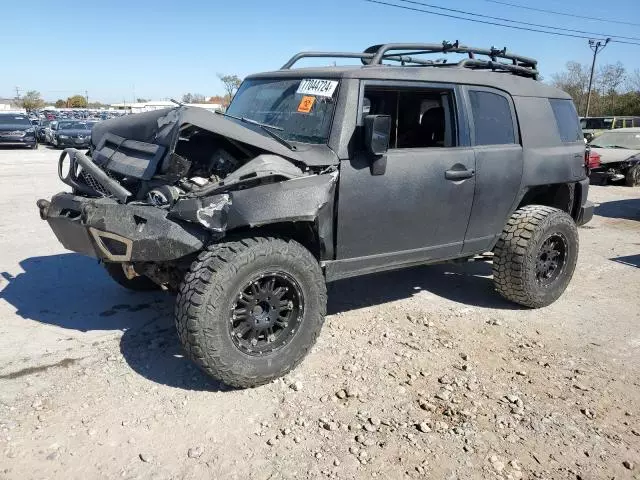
(592, 159)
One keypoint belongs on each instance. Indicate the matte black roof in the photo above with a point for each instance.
(513, 84)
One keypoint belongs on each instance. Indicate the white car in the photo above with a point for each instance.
(619, 152)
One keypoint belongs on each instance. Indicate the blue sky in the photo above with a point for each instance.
(160, 48)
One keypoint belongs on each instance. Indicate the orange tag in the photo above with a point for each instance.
(306, 104)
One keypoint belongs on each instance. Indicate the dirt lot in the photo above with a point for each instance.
(424, 373)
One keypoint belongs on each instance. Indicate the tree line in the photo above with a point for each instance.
(32, 100)
(615, 91)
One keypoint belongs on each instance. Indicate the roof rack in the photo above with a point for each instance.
(406, 53)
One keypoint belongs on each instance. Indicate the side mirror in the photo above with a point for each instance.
(377, 132)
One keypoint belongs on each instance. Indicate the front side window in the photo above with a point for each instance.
(419, 118)
(302, 108)
(567, 120)
(492, 119)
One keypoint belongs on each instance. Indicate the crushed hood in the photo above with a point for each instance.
(162, 127)
(616, 155)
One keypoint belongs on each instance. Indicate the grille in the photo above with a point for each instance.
(88, 179)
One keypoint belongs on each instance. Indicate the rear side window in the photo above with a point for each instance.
(567, 120)
(492, 119)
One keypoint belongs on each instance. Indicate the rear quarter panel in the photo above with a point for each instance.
(546, 159)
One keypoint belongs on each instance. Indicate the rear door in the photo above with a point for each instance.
(496, 143)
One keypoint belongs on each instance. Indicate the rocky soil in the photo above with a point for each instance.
(424, 373)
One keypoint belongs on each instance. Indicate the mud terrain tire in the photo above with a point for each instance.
(535, 239)
(137, 284)
(211, 291)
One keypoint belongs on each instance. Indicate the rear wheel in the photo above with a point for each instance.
(632, 177)
(138, 284)
(535, 256)
(249, 310)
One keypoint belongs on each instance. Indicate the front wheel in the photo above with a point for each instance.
(632, 177)
(535, 256)
(249, 310)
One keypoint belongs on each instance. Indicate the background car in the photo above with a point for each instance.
(49, 131)
(619, 152)
(41, 130)
(16, 129)
(594, 126)
(73, 133)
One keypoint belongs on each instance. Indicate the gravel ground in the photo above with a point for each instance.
(423, 373)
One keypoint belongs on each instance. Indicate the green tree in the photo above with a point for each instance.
(231, 84)
(614, 92)
(60, 103)
(77, 101)
(142, 100)
(32, 100)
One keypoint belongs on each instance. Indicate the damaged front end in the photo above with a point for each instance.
(159, 186)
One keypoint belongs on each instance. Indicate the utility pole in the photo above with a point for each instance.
(18, 93)
(86, 97)
(597, 46)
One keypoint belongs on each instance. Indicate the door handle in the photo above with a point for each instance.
(459, 174)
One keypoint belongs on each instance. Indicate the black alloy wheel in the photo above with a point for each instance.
(551, 259)
(267, 313)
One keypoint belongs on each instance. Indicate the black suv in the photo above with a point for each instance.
(319, 174)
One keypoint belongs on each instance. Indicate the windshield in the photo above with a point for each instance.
(596, 123)
(14, 120)
(302, 108)
(613, 139)
(75, 126)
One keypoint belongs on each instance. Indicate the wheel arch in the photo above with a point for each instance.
(563, 196)
(306, 233)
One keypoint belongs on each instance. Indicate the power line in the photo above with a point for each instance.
(564, 14)
(485, 22)
(503, 19)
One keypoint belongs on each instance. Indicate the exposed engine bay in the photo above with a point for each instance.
(194, 165)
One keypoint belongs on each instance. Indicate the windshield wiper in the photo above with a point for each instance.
(265, 127)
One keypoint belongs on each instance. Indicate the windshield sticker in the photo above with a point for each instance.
(306, 104)
(317, 87)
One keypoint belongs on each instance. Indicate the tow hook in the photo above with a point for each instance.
(43, 206)
(129, 271)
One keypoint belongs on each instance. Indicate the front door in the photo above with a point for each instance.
(418, 209)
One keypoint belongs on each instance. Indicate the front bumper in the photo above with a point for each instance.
(31, 141)
(114, 232)
(74, 142)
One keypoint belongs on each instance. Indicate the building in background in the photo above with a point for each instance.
(139, 107)
(7, 104)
